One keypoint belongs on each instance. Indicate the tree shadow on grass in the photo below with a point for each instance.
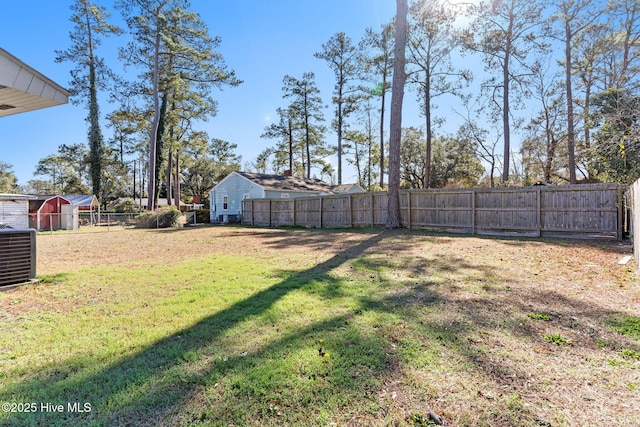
(501, 343)
(607, 245)
(141, 389)
(161, 382)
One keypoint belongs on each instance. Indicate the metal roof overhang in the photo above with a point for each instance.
(24, 89)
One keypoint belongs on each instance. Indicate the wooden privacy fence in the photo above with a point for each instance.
(582, 211)
(634, 204)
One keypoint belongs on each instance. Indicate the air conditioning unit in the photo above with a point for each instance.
(17, 256)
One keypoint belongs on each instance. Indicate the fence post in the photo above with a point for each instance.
(409, 209)
(372, 211)
(320, 211)
(635, 212)
(621, 208)
(473, 211)
(270, 222)
(350, 212)
(539, 213)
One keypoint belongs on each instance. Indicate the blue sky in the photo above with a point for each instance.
(261, 40)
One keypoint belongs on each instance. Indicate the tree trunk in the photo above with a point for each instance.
(571, 135)
(427, 115)
(395, 130)
(160, 144)
(95, 135)
(369, 149)
(382, 133)
(290, 135)
(548, 164)
(176, 181)
(505, 118)
(151, 189)
(307, 143)
(169, 172)
(340, 135)
(134, 180)
(587, 132)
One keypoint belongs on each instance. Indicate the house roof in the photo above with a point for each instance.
(82, 199)
(24, 89)
(347, 188)
(6, 196)
(286, 183)
(74, 199)
(42, 196)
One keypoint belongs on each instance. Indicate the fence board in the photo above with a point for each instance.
(634, 203)
(563, 211)
(361, 210)
(336, 211)
(307, 212)
(282, 212)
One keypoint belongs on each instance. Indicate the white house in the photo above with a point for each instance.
(226, 197)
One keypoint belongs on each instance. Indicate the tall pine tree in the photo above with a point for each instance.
(89, 75)
(395, 128)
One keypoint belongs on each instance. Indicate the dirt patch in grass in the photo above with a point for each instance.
(478, 330)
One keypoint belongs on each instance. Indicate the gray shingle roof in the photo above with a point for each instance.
(286, 183)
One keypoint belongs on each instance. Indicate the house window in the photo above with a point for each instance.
(284, 195)
(225, 202)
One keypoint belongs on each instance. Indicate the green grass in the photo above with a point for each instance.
(134, 343)
(539, 316)
(631, 354)
(627, 325)
(557, 339)
(272, 338)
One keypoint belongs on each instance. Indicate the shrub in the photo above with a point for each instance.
(164, 217)
(126, 206)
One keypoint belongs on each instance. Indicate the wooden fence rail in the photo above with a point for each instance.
(577, 211)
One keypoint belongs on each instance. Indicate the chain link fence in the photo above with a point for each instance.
(106, 219)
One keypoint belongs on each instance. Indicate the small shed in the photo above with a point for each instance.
(226, 197)
(14, 211)
(87, 205)
(85, 202)
(46, 212)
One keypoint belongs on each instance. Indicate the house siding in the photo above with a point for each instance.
(234, 187)
(240, 185)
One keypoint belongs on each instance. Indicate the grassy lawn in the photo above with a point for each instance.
(287, 327)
